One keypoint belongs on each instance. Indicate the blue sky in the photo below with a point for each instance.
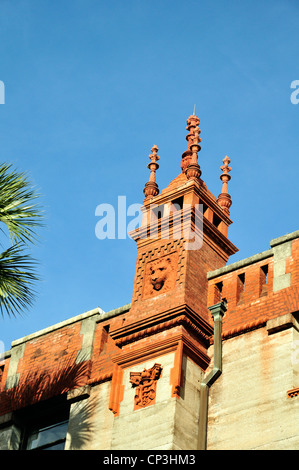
(91, 86)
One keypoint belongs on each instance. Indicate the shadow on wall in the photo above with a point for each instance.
(37, 389)
(81, 429)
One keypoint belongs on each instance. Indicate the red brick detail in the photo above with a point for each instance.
(258, 303)
(103, 349)
(117, 389)
(162, 322)
(41, 384)
(254, 325)
(47, 351)
(293, 393)
(4, 366)
(146, 258)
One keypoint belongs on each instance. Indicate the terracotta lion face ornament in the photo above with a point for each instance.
(159, 272)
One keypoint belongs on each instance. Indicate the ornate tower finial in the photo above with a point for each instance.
(151, 188)
(224, 199)
(193, 170)
(189, 162)
(192, 123)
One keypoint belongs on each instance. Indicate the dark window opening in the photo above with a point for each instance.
(218, 292)
(216, 220)
(240, 287)
(204, 208)
(158, 212)
(264, 279)
(242, 281)
(44, 425)
(219, 286)
(265, 270)
(178, 203)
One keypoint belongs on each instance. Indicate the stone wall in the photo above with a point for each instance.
(249, 406)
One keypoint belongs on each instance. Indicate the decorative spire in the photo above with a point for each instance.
(224, 199)
(193, 169)
(192, 123)
(151, 188)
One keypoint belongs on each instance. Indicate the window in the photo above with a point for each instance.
(218, 293)
(242, 281)
(158, 212)
(178, 203)
(240, 287)
(265, 274)
(264, 280)
(50, 437)
(44, 425)
(216, 220)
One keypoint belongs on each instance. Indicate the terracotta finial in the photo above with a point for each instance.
(224, 199)
(193, 170)
(151, 188)
(192, 123)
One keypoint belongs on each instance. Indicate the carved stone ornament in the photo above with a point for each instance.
(146, 383)
(160, 275)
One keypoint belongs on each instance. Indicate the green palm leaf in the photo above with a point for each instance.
(17, 278)
(21, 215)
(18, 210)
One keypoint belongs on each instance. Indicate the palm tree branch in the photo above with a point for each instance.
(17, 279)
(18, 210)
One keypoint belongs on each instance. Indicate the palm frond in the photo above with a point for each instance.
(18, 208)
(17, 279)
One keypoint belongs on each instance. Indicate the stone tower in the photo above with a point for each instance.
(183, 236)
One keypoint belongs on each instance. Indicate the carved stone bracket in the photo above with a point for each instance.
(146, 385)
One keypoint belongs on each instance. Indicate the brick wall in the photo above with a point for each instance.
(248, 288)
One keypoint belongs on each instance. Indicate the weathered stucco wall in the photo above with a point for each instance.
(168, 424)
(248, 404)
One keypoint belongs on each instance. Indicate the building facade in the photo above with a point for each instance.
(205, 356)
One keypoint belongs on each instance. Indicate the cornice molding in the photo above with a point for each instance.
(166, 320)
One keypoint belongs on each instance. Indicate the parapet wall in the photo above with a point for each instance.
(258, 288)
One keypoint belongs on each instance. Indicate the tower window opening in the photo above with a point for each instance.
(242, 281)
(240, 287)
(204, 208)
(218, 291)
(158, 212)
(264, 279)
(265, 271)
(178, 203)
(216, 220)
